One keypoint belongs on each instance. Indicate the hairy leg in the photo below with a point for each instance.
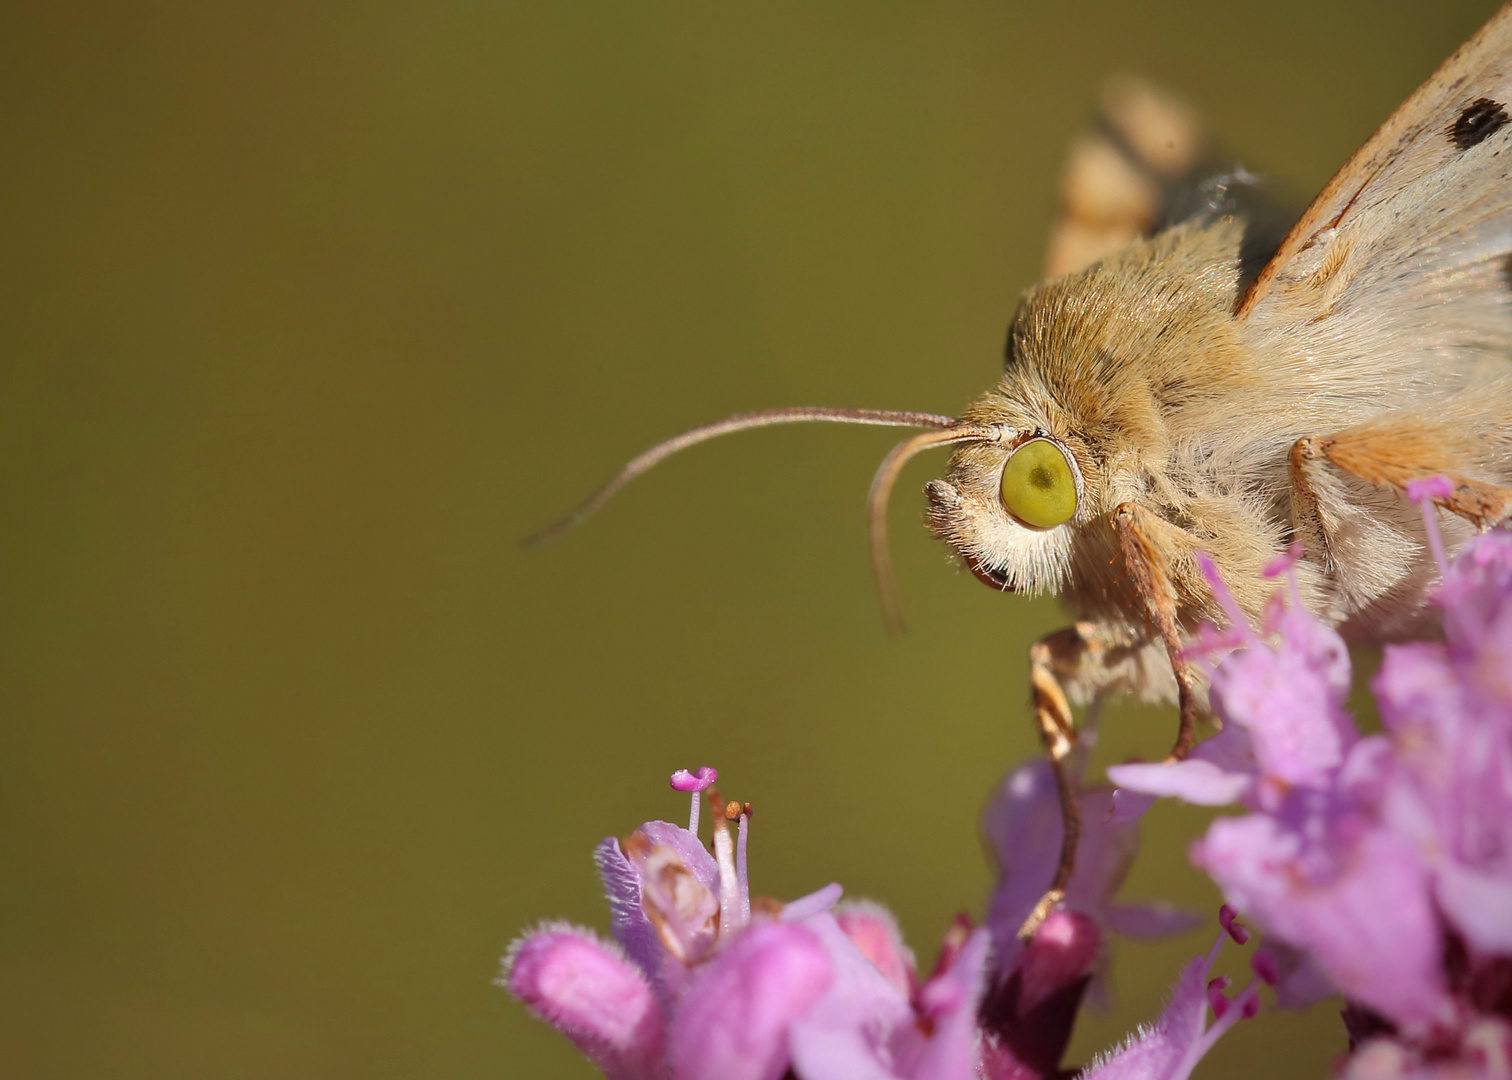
(1139, 537)
(1086, 658)
(1390, 455)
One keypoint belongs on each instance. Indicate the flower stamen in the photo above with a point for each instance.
(734, 903)
(741, 877)
(1228, 919)
(1424, 492)
(1231, 608)
(694, 782)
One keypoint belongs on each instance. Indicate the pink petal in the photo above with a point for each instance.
(1479, 905)
(593, 995)
(734, 1019)
(1300, 984)
(1219, 771)
(1290, 699)
(1022, 821)
(1199, 782)
(678, 884)
(815, 903)
(1366, 919)
(1128, 806)
(874, 931)
(1171, 1048)
(627, 922)
(950, 1002)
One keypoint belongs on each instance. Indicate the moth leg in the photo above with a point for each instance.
(1148, 566)
(1088, 657)
(1391, 456)
(1303, 467)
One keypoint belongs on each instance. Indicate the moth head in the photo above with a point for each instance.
(1012, 495)
(1008, 508)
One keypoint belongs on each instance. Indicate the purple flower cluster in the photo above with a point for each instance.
(1378, 867)
(701, 982)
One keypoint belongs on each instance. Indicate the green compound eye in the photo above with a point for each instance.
(1038, 487)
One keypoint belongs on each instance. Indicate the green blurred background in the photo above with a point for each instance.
(311, 312)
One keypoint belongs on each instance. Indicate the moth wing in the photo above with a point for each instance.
(1147, 164)
(1399, 269)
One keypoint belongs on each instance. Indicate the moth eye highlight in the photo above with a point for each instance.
(1038, 487)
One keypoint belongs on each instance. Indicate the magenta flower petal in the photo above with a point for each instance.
(1128, 805)
(735, 1015)
(592, 994)
(679, 892)
(1023, 824)
(874, 932)
(627, 921)
(690, 850)
(1193, 780)
(1219, 771)
(863, 1028)
(1285, 561)
(815, 903)
(1449, 710)
(1477, 595)
(1363, 913)
(852, 1030)
(1062, 952)
(949, 1002)
(1298, 982)
(1479, 905)
(1290, 699)
(1172, 1046)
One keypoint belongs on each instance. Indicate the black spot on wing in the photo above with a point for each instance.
(1480, 120)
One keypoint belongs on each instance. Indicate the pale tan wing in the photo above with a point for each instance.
(1113, 184)
(1145, 165)
(1399, 268)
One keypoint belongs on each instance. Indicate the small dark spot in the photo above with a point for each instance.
(1480, 120)
(1041, 478)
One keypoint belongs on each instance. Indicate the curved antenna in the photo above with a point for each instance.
(881, 491)
(744, 421)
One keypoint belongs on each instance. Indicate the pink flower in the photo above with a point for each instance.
(1034, 992)
(589, 991)
(1171, 1047)
(700, 984)
(1448, 708)
(1370, 859)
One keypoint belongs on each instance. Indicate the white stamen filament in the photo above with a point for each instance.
(742, 880)
(731, 914)
(693, 812)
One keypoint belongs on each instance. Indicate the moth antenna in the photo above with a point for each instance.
(802, 414)
(881, 491)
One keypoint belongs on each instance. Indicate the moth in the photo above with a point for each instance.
(1193, 378)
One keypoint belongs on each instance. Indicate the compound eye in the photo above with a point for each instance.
(1038, 487)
